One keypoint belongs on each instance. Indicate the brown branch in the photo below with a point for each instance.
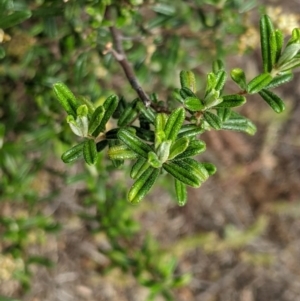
(119, 54)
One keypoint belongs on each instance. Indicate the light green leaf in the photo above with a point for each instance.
(238, 76)
(153, 160)
(259, 82)
(178, 147)
(187, 80)
(139, 168)
(194, 148)
(193, 104)
(121, 152)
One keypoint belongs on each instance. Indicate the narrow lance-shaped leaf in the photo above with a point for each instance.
(273, 100)
(237, 122)
(288, 53)
(197, 168)
(211, 83)
(223, 113)
(186, 92)
(221, 77)
(121, 152)
(181, 193)
(187, 79)
(259, 82)
(96, 119)
(148, 112)
(174, 123)
(190, 130)
(142, 185)
(266, 29)
(90, 153)
(213, 120)
(230, 101)
(280, 79)
(134, 143)
(73, 153)
(178, 147)
(109, 105)
(139, 167)
(101, 145)
(194, 148)
(276, 42)
(217, 65)
(292, 64)
(66, 98)
(182, 172)
(129, 115)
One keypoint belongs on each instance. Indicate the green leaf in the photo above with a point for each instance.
(186, 171)
(238, 76)
(266, 29)
(273, 100)
(181, 193)
(129, 114)
(79, 126)
(90, 153)
(154, 160)
(147, 135)
(14, 18)
(163, 150)
(109, 106)
(2, 53)
(121, 152)
(230, 101)
(194, 148)
(213, 120)
(186, 92)
(174, 123)
(139, 168)
(73, 153)
(101, 145)
(223, 113)
(160, 122)
(178, 147)
(288, 53)
(142, 185)
(193, 104)
(211, 83)
(211, 168)
(259, 82)
(217, 66)
(148, 112)
(221, 77)
(66, 98)
(187, 80)
(189, 131)
(96, 119)
(293, 63)
(280, 79)
(239, 123)
(276, 43)
(134, 143)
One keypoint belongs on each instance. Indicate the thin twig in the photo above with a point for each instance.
(119, 54)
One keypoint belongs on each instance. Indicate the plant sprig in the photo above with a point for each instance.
(168, 140)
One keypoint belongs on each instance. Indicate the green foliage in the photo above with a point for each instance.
(67, 46)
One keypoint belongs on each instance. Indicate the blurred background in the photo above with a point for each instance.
(67, 231)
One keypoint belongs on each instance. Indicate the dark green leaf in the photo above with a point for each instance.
(274, 101)
(121, 152)
(142, 185)
(96, 119)
(230, 101)
(213, 120)
(134, 143)
(174, 123)
(101, 145)
(139, 168)
(221, 77)
(194, 148)
(280, 79)
(90, 153)
(73, 153)
(266, 29)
